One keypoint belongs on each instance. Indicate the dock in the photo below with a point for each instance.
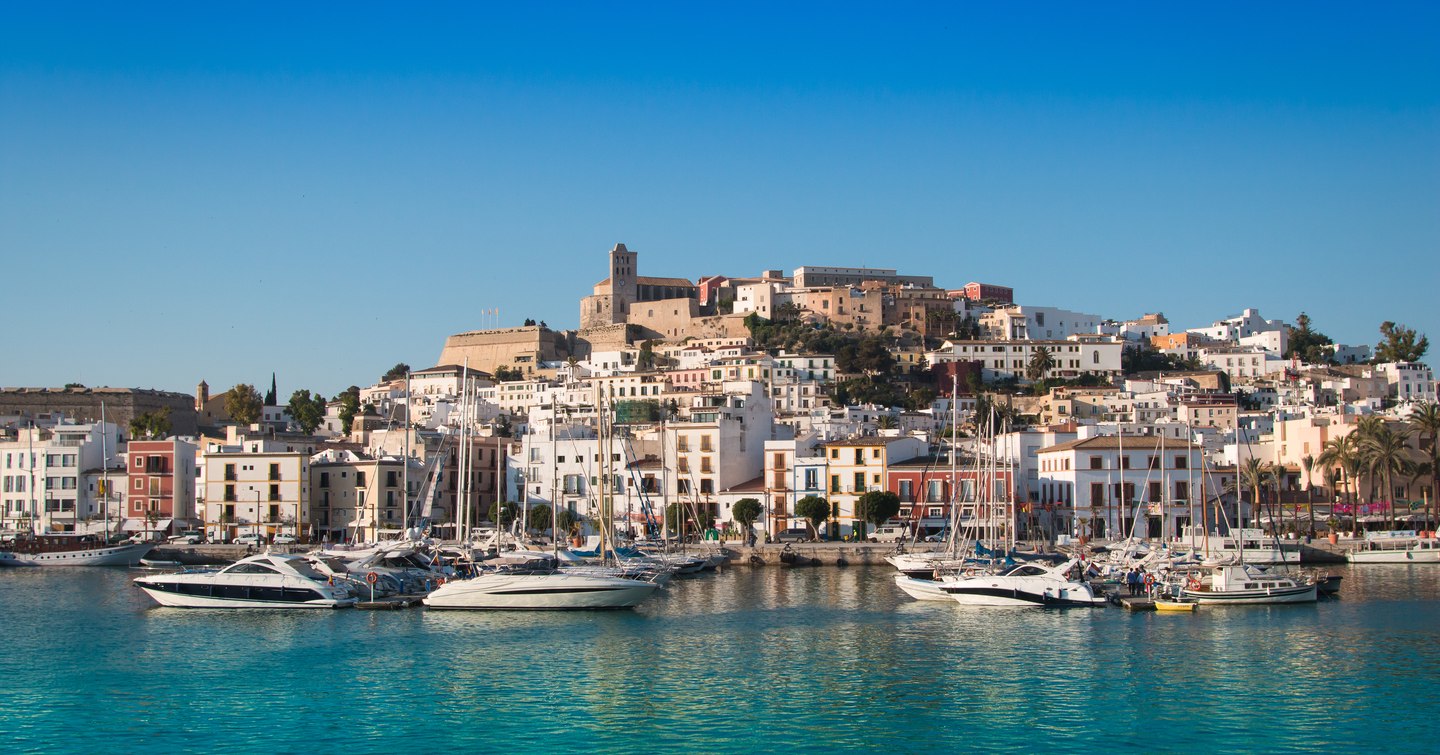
(387, 604)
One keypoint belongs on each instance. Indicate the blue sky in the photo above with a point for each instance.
(218, 191)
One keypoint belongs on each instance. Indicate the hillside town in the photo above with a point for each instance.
(679, 400)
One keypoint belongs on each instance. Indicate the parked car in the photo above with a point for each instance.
(251, 539)
(890, 533)
(284, 540)
(794, 535)
(187, 538)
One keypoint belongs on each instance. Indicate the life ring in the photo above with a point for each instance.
(372, 577)
(1192, 582)
(1149, 580)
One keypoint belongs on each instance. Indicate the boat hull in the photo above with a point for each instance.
(1298, 594)
(179, 600)
(1410, 556)
(111, 555)
(540, 592)
(1015, 597)
(922, 589)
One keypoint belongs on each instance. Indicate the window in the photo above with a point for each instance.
(859, 456)
(274, 492)
(360, 479)
(834, 483)
(859, 482)
(705, 465)
(274, 471)
(705, 443)
(230, 472)
(1097, 462)
(324, 479)
(707, 486)
(812, 479)
(1181, 462)
(935, 490)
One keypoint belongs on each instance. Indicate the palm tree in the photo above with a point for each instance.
(1340, 453)
(1040, 363)
(1308, 464)
(1425, 420)
(1367, 427)
(1253, 474)
(1387, 454)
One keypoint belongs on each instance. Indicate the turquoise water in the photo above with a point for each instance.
(808, 660)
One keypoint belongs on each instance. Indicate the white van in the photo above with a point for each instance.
(890, 533)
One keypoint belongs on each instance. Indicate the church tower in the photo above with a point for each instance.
(623, 285)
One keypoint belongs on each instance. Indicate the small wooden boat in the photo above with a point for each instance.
(1168, 604)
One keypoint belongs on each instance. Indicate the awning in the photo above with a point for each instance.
(143, 525)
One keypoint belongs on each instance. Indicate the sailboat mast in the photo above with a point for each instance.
(404, 465)
(104, 473)
(462, 514)
(1120, 466)
(34, 512)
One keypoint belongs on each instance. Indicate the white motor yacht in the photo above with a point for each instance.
(1028, 584)
(267, 580)
(1241, 585)
(531, 590)
(922, 589)
(1401, 548)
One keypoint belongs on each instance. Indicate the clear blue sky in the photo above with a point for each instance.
(219, 191)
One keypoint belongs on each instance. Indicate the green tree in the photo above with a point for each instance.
(878, 506)
(1308, 464)
(1425, 421)
(1400, 344)
(397, 372)
(746, 511)
(568, 523)
(1305, 343)
(1041, 362)
(349, 407)
(509, 511)
(243, 404)
(150, 425)
(815, 510)
(1387, 454)
(539, 517)
(1341, 458)
(307, 411)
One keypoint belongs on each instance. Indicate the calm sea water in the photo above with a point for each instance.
(808, 660)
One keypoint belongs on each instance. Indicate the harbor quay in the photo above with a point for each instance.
(818, 553)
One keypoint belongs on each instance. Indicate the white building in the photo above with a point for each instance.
(1114, 486)
(1243, 325)
(1409, 381)
(1069, 358)
(43, 483)
(1025, 322)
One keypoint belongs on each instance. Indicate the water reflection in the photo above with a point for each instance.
(749, 659)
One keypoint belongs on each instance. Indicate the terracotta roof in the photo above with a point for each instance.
(756, 485)
(869, 440)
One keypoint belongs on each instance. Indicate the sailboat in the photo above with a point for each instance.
(538, 586)
(37, 548)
